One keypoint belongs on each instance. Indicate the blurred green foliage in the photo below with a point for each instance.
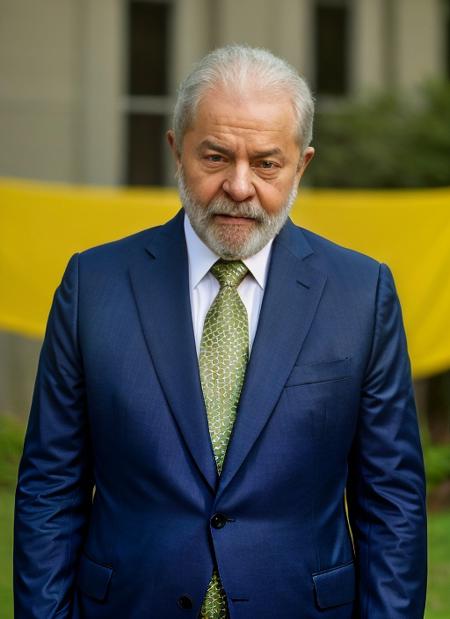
(437, 464)
(11, 441)
(387, 141)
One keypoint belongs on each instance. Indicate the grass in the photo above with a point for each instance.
(438, 598)
(6, 535)
(11, 437)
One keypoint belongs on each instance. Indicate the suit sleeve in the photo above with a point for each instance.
(54, 489)
(386, 487)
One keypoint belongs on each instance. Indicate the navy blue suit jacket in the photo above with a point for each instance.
(326, 410)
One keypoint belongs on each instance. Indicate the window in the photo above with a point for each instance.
(148, 48)
(146, 141)
(331, 47)
(147, 102)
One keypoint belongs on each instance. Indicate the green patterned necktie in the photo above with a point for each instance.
(223, 361)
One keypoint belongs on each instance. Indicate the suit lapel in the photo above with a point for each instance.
(160, 283)
(290, 301)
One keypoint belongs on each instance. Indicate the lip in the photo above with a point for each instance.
(232, 220)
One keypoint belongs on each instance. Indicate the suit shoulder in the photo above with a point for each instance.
(121, 247)
(333, 254)
(353, 278)
(119, 253)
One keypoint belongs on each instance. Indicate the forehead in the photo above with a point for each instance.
(252, 119)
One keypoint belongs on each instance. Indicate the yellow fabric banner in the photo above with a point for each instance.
(41, 226)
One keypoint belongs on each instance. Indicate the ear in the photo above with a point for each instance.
(173, 146)
(308, 154)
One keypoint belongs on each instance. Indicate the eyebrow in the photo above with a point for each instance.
(213, 146)
(271, 152)
(229, 153)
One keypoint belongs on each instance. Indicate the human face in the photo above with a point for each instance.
(239, 170)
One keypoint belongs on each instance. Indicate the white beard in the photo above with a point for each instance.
(233, 242)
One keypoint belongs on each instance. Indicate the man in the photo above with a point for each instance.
(224, 381)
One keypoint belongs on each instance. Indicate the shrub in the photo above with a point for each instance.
(388, 141)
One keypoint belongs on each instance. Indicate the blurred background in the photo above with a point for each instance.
(86, 94)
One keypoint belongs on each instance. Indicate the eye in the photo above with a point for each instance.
(266, 165)
(214, 158)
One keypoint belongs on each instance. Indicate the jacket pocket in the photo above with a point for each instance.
(335, 586)
(93, 578)
(324, 371)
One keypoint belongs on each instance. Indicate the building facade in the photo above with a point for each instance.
(87, 86)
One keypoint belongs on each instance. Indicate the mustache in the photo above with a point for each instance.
(223, 206)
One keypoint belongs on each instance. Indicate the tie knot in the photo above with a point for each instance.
(229, 273)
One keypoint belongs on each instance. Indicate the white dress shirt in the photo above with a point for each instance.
(203, 286)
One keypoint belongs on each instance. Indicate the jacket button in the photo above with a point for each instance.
(185, 602)
(218, 521)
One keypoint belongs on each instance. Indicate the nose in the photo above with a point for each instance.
(238, 184)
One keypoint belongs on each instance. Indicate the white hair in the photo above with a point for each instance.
(237, 68)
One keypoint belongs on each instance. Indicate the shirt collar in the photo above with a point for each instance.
(201, 258)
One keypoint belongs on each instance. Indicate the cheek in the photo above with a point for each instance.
(273, 197)
(205, 187)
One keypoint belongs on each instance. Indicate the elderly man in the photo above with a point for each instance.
(224, 381)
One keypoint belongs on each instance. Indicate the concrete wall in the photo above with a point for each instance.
(420, 43)
(60, 72)
(18, 363)
(38, 88)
